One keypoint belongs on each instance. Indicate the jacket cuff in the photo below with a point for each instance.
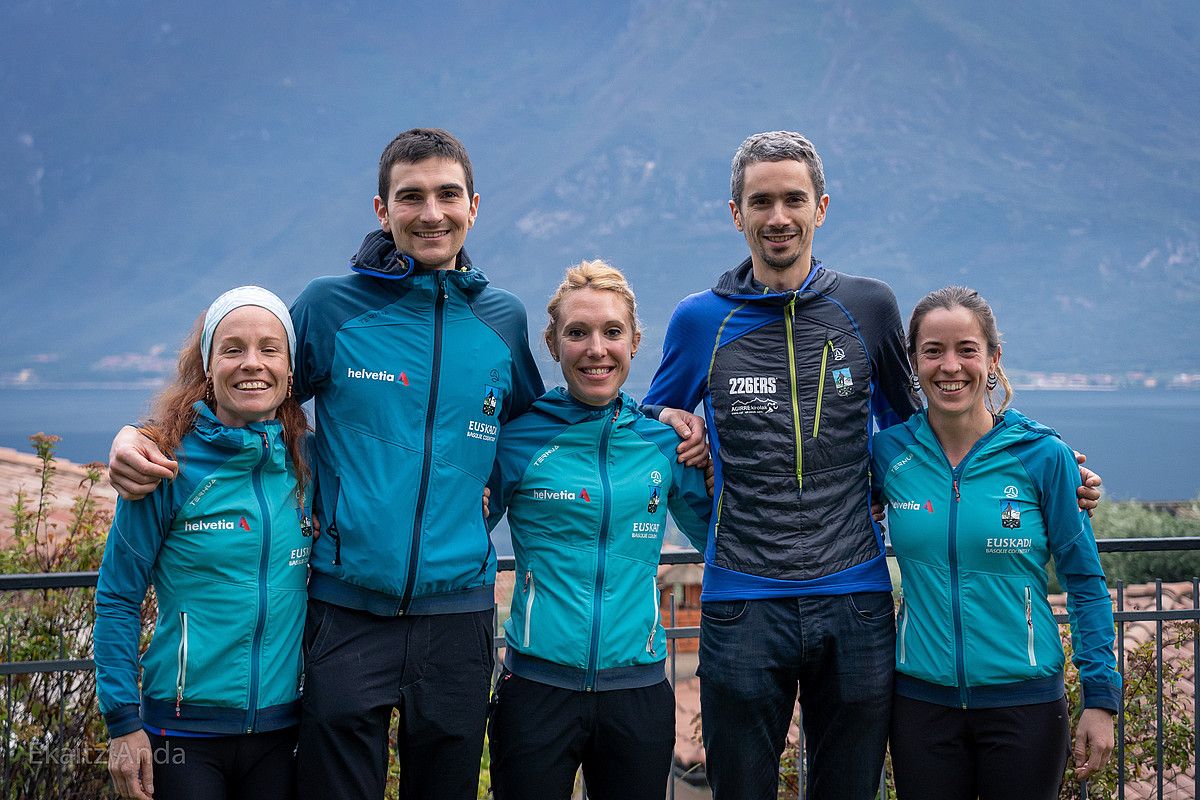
(1100, 694)
(651, 411)
(122, 720)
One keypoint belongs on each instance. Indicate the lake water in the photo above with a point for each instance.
(1145, 444)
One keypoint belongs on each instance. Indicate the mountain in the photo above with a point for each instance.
(153, 155)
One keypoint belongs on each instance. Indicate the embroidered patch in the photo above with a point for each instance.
(1010, 514)
(843, 381)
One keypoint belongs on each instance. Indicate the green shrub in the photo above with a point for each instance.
(1134, 520)
(55, 735)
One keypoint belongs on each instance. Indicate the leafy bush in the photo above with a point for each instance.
(54, 733)
(1141, 719)
(1135, 520)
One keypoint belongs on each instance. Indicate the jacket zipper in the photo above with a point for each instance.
(333, 531)
(904, 611)
(654, 624)
(602, 553)
(531, 590)
(1029, 624)
(414, 546)
(790, 320)
(956, 474)
(181, 675)
(821, 385)
(263, 569)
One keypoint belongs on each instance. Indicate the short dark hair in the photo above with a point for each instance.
(419, 144)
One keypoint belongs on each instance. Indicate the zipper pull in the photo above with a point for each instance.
(528, 573)
(650, 643)
(178, 701)
(957, 496)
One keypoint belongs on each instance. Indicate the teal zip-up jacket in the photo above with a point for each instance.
(225, 548)
(587, 491)
(413, 372)
(975, 629)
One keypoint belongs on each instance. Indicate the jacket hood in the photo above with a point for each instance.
(212, 430)
(739, 284)
(378, 257)
(560, 405)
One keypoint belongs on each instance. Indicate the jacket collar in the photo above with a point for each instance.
(559, 404)
(739, 283)
(378, 257)
(217, 433)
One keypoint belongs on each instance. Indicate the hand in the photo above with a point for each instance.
(877, 511)
(131, 765)
(1089, 492)
(693, 451)
(710, 478)
(487, 493)
(1093, 741)
(136, 466)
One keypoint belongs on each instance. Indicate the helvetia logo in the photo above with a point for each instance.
(555, 494)
(383, 376)
(911, 505)
(210, 526)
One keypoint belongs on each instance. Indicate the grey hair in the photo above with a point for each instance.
(950, 298)
(775, 146)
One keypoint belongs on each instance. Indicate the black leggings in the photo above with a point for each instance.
(255, 766)
(540, 735)
(1013, 753)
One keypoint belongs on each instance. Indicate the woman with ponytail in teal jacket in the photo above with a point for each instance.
(979, 500)
(587, 480)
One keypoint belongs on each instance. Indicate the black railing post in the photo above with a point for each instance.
(1121, 705)
(1158, 674)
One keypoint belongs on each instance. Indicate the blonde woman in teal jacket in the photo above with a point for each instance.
(587, 480)
(979, 501)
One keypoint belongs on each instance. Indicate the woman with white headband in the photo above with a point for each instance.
(226, 546)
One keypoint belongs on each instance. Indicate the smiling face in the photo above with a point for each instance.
(953, 363)
(428, 211)
(594, 341)
(249, 366)
(778, 215)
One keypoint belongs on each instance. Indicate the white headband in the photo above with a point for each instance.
(245, 296)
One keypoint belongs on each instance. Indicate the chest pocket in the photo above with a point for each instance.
(834, 386)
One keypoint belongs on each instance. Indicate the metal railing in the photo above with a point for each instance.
(1158, 616)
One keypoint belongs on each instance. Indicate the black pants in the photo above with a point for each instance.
(255, 766)
(1014, 753)
(435, 670)
(539, 736)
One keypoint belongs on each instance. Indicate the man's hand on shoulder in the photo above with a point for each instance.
(136, 466)
(1089, 490)
(693, 450)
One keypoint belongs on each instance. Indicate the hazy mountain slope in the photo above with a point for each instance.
(151, 158)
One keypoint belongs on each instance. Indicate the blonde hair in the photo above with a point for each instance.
(952, 297)
(595, 274)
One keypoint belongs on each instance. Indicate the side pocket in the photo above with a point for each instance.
(181, 673)
(333, 530)
(654, 622)
(1029, 624)
(530, 592)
